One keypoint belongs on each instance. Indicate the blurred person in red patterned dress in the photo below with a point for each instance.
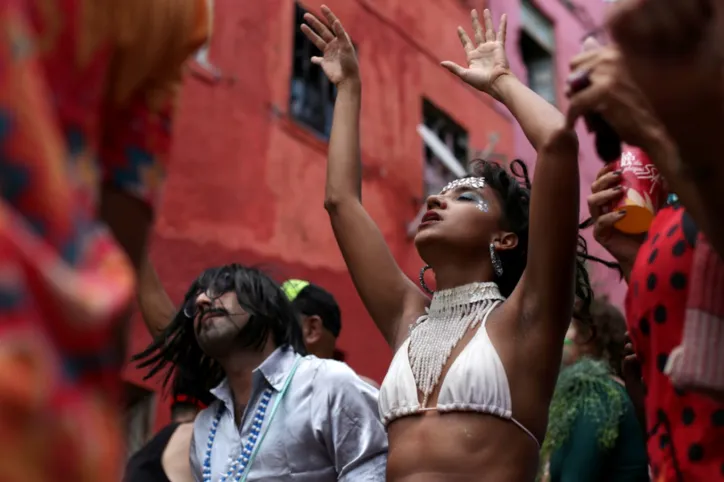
(87, 90)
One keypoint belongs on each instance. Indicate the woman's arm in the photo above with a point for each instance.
(390, 297)
(549, 278)
(536, 116)
(546, 291)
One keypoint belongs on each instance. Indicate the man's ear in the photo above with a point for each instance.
(312, 329)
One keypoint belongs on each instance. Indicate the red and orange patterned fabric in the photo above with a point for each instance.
(87, 90)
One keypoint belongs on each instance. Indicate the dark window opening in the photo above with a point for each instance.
(455, 138)
(539, 65)
(311, 100)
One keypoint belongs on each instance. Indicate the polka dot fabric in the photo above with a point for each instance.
(685, 430)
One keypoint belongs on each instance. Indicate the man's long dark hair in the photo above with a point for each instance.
(176, 349)
(187, 395)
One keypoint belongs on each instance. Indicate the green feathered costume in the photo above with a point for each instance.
(584, 441)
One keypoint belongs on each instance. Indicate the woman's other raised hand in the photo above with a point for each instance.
(339, 59)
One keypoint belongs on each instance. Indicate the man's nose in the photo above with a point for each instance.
(203, 300)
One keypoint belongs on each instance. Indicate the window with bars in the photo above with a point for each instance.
(537, 48)
(311, 100)
(539, 64)
(455, 138)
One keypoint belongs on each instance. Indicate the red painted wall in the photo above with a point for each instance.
(246, 183)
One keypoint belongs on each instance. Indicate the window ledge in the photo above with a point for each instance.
(300, 132)
(316, 141)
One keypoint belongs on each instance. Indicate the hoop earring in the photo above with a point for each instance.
(495, 259)
(422, 280)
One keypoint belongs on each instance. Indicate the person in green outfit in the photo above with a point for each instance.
(593, 434)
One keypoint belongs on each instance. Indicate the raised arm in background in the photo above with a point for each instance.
(674, 51)
(390, 297)
(156, 307)
(545, 292)
(614, 95)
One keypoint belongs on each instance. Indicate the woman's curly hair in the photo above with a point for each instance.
(514, 189)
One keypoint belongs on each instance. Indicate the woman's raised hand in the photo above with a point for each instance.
(338, 60)
(487, 61)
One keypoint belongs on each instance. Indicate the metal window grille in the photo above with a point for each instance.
(455, 138)
(311, 101)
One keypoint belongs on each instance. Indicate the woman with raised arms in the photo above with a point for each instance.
(466, 396)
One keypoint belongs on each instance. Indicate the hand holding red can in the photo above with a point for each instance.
(643, 191)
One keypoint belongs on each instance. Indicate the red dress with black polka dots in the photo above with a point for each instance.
(685, 430)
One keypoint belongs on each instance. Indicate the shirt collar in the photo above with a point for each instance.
(277, 366)
(274, 369)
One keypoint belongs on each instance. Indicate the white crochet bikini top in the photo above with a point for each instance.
(476, 382)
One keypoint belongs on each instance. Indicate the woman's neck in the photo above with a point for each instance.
(449, 276)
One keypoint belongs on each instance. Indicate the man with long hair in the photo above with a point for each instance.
(278, 414)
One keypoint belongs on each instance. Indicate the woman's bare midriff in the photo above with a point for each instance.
(459, 447)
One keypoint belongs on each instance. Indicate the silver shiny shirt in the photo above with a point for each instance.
(327, 427)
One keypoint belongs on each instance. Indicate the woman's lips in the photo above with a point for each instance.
(429, 218)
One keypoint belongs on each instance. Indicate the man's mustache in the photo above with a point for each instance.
(214, 311)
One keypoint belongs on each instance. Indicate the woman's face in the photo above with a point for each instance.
(465, 216)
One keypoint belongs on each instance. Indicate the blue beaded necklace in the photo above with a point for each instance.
(238, 467)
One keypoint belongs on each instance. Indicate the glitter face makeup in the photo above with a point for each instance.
(472, 182)
(469, 182)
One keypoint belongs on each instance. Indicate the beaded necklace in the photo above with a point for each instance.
(433, 336)
(238, 467)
